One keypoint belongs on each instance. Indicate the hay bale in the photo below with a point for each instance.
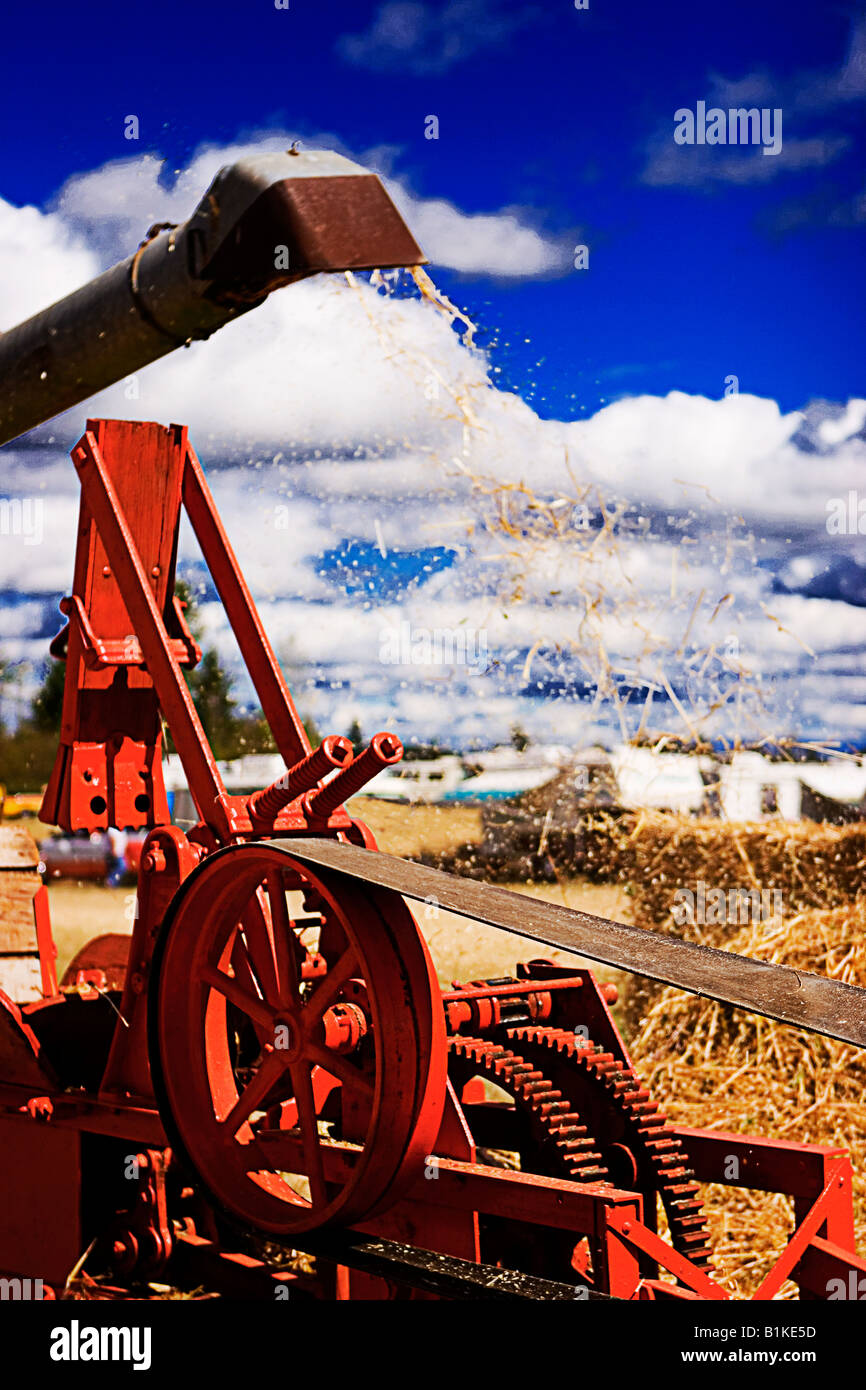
(809, 865)
(716, 1067)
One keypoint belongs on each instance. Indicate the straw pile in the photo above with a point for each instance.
(790, 866)
(715, 1067)
(811, 865)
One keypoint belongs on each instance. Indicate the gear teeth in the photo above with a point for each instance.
(523, 1071)
(576, 1149)
(536, 1084)
(663, 1151)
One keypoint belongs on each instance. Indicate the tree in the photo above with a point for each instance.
(210, 687)
(27, 754)
(355, 735)
(47, 708)
(425, 752)
(231, 734)
(5, 678)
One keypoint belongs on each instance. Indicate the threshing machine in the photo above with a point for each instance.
(263, 1090)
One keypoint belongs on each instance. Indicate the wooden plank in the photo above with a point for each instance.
(18, 849)
(21, 978)
(17, 922)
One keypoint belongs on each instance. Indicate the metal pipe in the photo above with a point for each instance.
(263, 223)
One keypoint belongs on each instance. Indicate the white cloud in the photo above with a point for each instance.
(672, 165)
(365, 418)
(801, 97)
(113, 206)
(822, 89)
(408, 36)
(498, 243)
(803, 92)
(850, 422)
(41, 259)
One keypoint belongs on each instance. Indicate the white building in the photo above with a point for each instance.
(659, 781)
(753, 788)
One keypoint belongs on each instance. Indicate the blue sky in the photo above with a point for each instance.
(599, 388)
(541, 107)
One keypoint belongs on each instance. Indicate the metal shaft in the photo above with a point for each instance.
(332, 752)
(264, 222)
(384, 750)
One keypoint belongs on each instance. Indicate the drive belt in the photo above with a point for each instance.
(813, 1002)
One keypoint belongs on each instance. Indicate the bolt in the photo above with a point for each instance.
(154, 861)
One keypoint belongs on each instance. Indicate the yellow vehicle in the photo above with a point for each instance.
(13, 805)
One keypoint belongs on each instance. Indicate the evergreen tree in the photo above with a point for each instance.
(27, 754)
(47, 708)
(210, 687)
(5, 678)
(231, 734)
(312, 731)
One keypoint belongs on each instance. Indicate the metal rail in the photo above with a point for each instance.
(444, 1275)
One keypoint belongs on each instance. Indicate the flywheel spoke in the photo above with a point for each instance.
(329, 990)
(255, 1009)
(242, 968)
(309, 1125)
(340, 1067)
(287, 948)
(259, 949)
(254, 1092)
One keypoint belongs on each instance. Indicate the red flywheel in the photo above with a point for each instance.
(297, 1040)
